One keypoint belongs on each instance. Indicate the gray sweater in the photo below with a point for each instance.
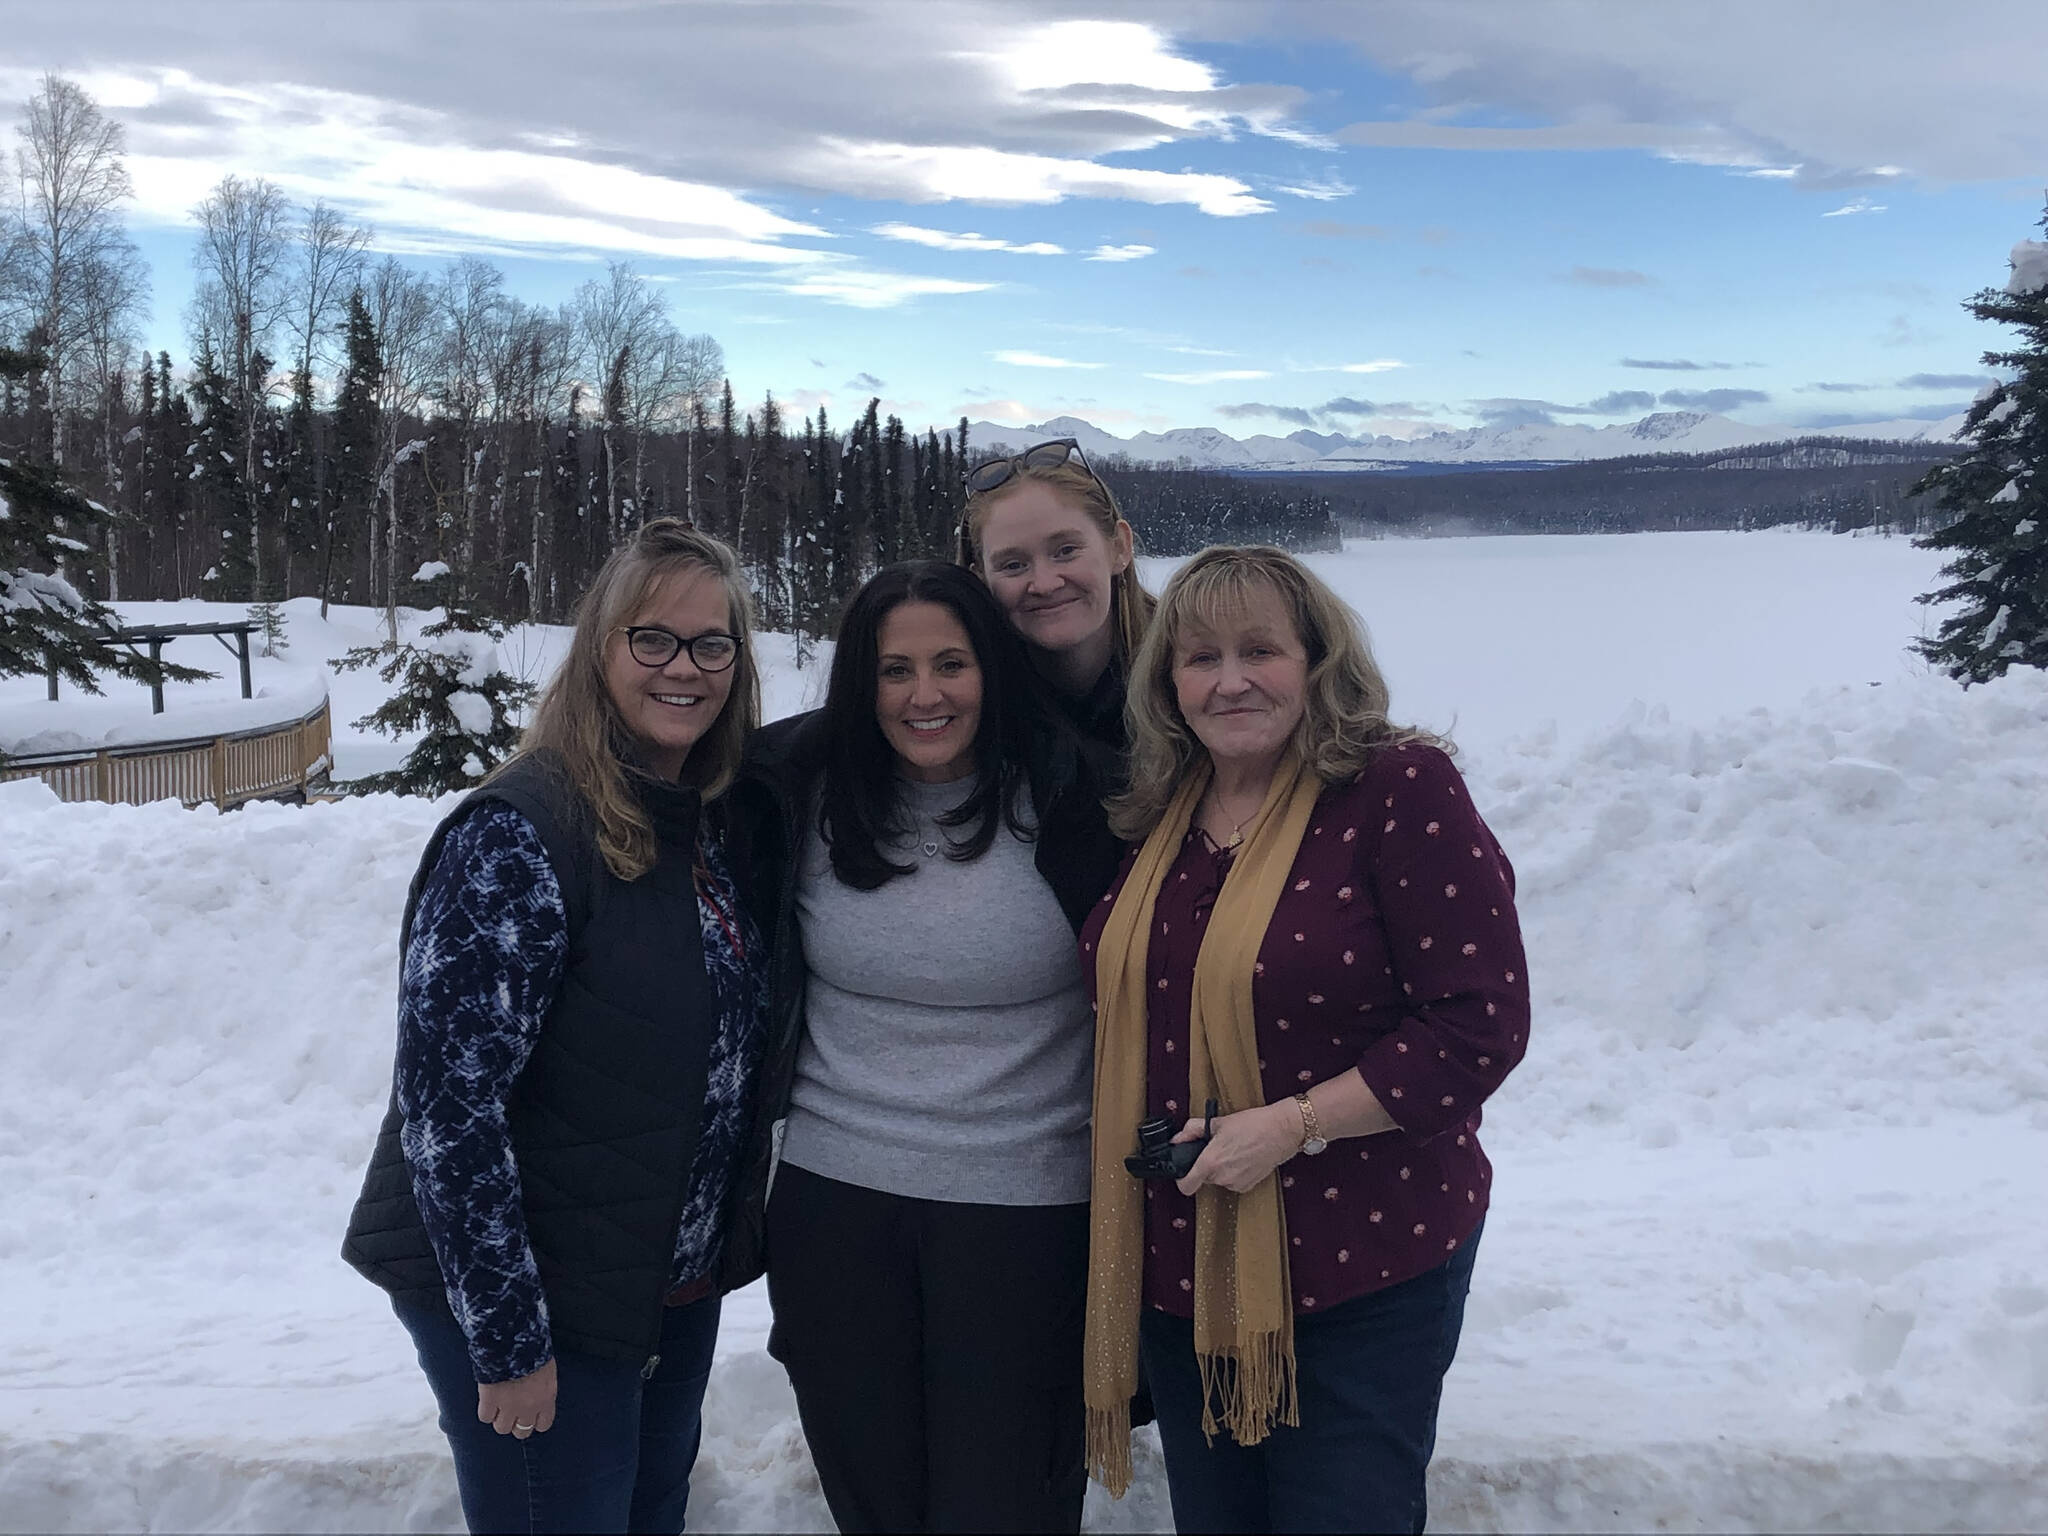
(948, 1042)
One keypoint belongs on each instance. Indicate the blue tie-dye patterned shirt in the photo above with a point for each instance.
(490, 937)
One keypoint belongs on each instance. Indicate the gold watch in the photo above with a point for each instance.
(1311, 1128)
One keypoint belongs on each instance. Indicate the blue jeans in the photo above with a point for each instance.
(619, 1455)
(1370, 1374)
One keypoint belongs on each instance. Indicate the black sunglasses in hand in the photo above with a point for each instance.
(653, 646)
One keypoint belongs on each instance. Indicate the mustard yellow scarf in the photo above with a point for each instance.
(1244, 1316)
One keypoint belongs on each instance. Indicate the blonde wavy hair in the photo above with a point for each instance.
(579, 726)
(1344, 716)
(1130, 604)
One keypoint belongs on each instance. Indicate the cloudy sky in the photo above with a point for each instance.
(1374, 215)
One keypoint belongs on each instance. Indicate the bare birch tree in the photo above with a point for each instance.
(73, 181)
(327, 265)
(667, 374)
(405, 317)
(617, 318)
(472, 304)
(696, 369)
(242, 261)
(110, 291)
(548, 351)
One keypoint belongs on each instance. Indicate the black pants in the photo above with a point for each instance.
(935, 1349)
(1370, 1374)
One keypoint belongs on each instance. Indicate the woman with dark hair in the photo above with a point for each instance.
(928, 1232)
(580, 1030)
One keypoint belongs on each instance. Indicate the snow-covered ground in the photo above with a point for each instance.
(286, 686)
(1767, 1247)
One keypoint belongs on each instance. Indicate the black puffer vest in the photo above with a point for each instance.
(605, 1117)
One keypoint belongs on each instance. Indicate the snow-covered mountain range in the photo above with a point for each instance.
(1663, 432)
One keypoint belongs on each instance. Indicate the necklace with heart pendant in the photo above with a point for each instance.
(930, 847)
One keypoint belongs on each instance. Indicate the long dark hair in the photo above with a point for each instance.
(1013, 749)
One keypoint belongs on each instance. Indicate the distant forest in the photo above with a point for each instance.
(1837, 484)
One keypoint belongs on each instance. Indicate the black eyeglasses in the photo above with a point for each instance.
(986, 477)
(653, 646)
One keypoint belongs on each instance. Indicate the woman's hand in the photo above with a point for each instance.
(521, 1407)
(1244, 1148)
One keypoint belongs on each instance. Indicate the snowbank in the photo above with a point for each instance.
(29, 722)
(120, 717)
(1766, 1250)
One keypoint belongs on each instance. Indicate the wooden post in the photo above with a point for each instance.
(102, 777)
(220, 761)
(242, 636)
(156, 676)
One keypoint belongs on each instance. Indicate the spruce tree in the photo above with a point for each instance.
(267, 576)
(452, 684)
(46, 623)
(352, 488)
(231, 567)
(1997, 494)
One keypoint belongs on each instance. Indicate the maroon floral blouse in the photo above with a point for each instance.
(1394, 949)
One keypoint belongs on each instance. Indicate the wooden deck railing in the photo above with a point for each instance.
(267, 762)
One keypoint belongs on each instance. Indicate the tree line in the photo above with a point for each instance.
(1827, 483)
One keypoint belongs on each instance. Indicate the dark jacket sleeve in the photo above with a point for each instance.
(482, 966)
(1446, 896)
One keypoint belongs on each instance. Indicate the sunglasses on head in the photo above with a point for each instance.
(998, 472)
(1061, 450)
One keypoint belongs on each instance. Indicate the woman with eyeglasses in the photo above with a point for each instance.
(1045, 533)
(927, 1234)
(581, 1026)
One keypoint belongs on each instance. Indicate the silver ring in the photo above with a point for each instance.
(517, 1426)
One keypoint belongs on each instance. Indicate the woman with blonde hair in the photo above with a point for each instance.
(581, 1027)
(1311, 974)
(1044, 531)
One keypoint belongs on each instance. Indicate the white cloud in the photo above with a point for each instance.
(1703, 84)
(863, 289)
(1039, 360)
(1214, 376)
(1854, 206)
(976, 101)
(1377, 365)
(1120, 253)
(1129, 68)
(941, 240)
(939, 173)
(1069, 53)
(1320, 189)
(426, 193)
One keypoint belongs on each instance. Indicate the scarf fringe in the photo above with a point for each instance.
(1108, 1441)
(1254, 1384)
